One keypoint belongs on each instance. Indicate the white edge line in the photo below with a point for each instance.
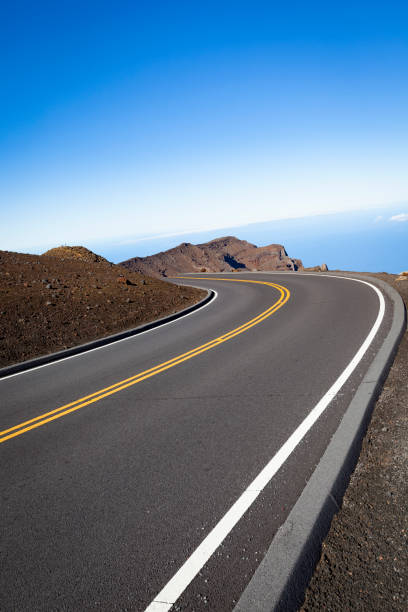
(133, 337)
(165, 599)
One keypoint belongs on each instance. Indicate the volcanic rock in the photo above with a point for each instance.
(322, 268)
(225, 254)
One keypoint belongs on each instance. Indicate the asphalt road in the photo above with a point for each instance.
(102, 506)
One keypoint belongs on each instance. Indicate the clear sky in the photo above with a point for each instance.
(140, 118)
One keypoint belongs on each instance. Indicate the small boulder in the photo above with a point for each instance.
(124, 281)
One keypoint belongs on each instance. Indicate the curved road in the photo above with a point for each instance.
(118, 463)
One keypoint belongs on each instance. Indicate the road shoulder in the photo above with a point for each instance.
(281, 579)
(364, 559)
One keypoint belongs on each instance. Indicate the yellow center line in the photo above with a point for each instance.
(42, 419)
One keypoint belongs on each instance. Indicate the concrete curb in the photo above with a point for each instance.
(82, 348)
(281, 579)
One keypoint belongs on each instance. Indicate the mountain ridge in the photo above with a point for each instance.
(224, 254)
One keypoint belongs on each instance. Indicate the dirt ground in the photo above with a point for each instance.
(50, 303)
(364, 560)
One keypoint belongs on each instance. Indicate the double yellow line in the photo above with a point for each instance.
(47, 417)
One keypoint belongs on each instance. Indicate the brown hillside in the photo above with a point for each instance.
(220, 255)
(48, 303)
(79, 253)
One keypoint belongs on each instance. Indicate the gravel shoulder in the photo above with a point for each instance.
(364, 559)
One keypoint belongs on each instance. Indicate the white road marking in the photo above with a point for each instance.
(98, 348)
(187, 572)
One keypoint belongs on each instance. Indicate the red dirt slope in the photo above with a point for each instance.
(48, 303)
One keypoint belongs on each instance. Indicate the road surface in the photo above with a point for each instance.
(117, 464)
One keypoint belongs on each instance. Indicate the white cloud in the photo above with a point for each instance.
(401, 217)
(378, 219)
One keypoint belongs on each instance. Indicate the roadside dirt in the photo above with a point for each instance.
(49, 303)
(364, 560)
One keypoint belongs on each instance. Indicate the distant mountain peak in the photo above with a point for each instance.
(224, 254)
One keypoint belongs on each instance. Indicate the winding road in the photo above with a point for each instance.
(157, 469)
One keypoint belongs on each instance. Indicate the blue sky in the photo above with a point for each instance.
(143, 118)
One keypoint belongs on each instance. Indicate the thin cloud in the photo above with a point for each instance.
(378, 219)
(400, 218)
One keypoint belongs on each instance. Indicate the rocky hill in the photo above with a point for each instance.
(220, 255)
(59, 300)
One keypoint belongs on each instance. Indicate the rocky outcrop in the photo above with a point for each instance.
(322, 268)
(225, 254)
